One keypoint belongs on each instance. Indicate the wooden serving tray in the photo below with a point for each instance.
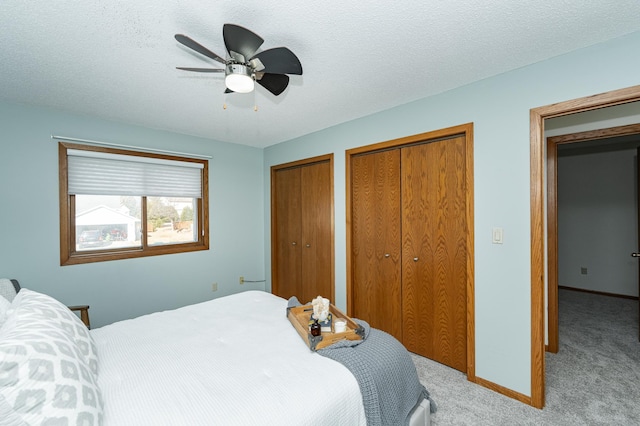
(299, 317)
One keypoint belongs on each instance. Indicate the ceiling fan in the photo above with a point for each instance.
(244, 66)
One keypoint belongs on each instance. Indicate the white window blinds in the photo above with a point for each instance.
(99, 173)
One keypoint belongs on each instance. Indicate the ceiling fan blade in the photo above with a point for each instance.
(194, 45)
(200, 69)
(279, 60)
(275, 83)
(241, 40)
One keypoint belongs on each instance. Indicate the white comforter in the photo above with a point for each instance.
(235, 360)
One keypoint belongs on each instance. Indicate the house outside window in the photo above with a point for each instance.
(119, 204)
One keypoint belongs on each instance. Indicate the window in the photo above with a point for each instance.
(120, 204)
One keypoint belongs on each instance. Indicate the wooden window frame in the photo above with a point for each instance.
(68, 253)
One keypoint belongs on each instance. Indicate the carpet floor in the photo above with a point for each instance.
(594, 379)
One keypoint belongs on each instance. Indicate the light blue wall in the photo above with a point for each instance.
(29, 220)
(499, 108)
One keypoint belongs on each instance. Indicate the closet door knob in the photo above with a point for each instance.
(293, 243)
(415, 259)
(387, 255)
(308, 245)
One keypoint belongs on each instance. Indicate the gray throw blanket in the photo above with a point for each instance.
(385, 373)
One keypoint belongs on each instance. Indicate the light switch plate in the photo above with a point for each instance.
(497, 236)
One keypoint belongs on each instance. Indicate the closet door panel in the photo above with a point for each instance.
(376, 240)
(316, 231)
(434, 251)
(451, 256)
(288, 233)
(417, 252)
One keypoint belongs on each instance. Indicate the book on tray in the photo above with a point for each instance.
(325, 326)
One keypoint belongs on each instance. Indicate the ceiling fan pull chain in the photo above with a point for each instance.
(255, 104)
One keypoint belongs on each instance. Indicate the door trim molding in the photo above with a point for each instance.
(537, 203)
(467, 131)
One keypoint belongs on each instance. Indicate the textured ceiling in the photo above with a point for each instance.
(116, 59)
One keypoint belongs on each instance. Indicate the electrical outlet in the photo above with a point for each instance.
(214, 287)
(241, 280)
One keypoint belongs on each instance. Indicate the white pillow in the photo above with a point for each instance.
(45, 375)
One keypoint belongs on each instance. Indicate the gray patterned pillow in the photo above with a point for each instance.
(7, 289)
(41, 305)
(4, 306)
(46, 376)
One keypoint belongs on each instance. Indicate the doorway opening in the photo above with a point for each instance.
(593, 142)
(538, 228)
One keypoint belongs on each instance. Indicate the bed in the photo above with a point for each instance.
(234, 360)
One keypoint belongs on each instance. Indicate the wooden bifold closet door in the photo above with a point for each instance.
(434, 256)
(409, 246)
(302, 230)
(376, 249)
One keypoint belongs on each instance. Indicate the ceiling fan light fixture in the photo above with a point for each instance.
(243, 67)
(239, 78)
